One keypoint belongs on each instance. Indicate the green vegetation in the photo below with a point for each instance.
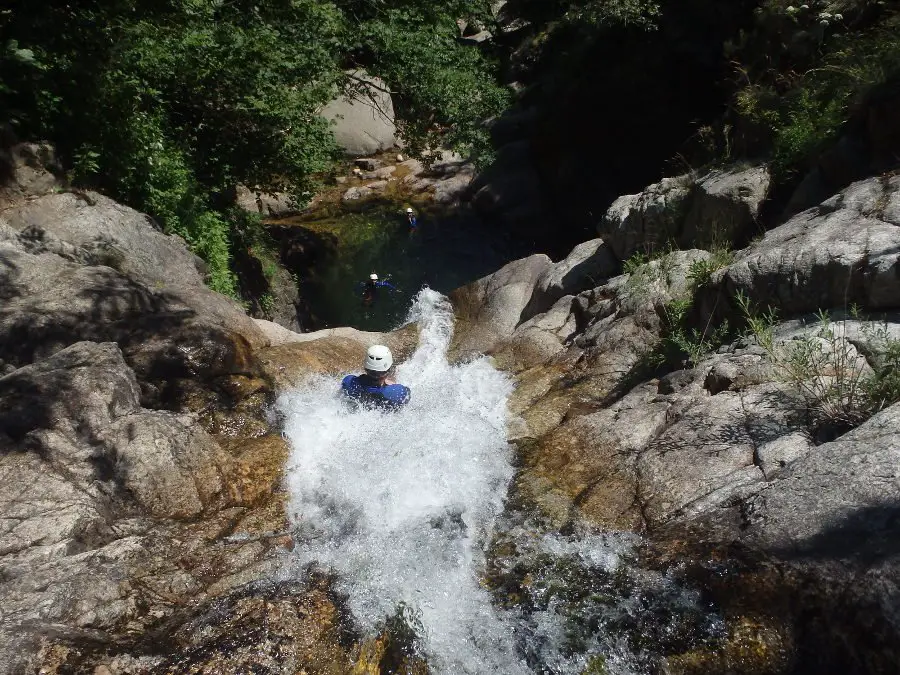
(684, 344)
(701, 271)
(680, 344)
(611, 12)
(596, 665)
(846, 371)
(168, 104)
(803, 69)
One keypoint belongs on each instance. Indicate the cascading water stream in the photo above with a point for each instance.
(401, 506)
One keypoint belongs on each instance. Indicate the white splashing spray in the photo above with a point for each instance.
(401, 504)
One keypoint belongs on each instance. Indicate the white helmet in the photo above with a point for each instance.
(379, 359)
(409, 210)
(373, 277)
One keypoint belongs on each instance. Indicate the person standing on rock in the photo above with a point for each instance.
(411, 219)
(370, 288)
(376, 388)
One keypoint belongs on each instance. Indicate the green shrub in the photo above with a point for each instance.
(701, 271)
(802, 71)
(841, 386)
(267, 304)
(635, 262)
(690, 346)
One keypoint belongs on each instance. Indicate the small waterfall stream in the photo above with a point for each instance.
(403, 506)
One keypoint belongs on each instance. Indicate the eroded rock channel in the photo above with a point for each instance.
(621, 485)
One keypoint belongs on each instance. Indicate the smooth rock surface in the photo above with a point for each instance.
(489, 309)
(356, 193)
(267, 204)
(725, 207)
(27, 170)
(845, 251)
(589, 265)
(363, 116)
(647, 221)
(90, 483)
(714, 210)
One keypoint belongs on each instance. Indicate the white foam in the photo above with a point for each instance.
(401, 504)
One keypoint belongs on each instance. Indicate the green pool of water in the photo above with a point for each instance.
(447, 250)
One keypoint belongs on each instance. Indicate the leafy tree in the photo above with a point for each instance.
(169, 104)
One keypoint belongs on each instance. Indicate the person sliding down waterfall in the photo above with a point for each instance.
(375, 387)
(370, 288)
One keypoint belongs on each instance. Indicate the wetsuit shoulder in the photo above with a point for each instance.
(396, 394)
(349, 383)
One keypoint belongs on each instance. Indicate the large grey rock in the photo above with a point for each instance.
(540, 338)
(589, 265)
(26, 170)
(167, 462)
(95, 231)
(590, 460)
(52, 303)
(279, 335)
(641, 295)
(447, 178)
(845, 251)
(719, 208)
(489, 309)
(89, 484)
(179, 336)
(607, 331)
(649, 220)
(725, 207)
(838, 500)
(129, 239)
(80, 597)
(265, 203)
(709, 454)
(80, 410)
(357, 193)
(363, 116)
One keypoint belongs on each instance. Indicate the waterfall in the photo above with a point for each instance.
(401, 504)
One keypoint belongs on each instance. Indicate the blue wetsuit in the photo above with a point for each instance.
(366, 390)
(369, 289)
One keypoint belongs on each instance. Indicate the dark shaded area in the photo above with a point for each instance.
(834, 592)
(612, 107)
(8, 273)
(866, 536)
(302, 250)
(868, 145)
(179, 361)
(331, 258)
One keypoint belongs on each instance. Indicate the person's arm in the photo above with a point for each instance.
(387, 284)
(347, 383)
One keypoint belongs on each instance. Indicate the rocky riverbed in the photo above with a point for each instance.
(719, 458)
(143, 518)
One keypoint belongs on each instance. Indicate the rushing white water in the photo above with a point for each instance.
(400, 504)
